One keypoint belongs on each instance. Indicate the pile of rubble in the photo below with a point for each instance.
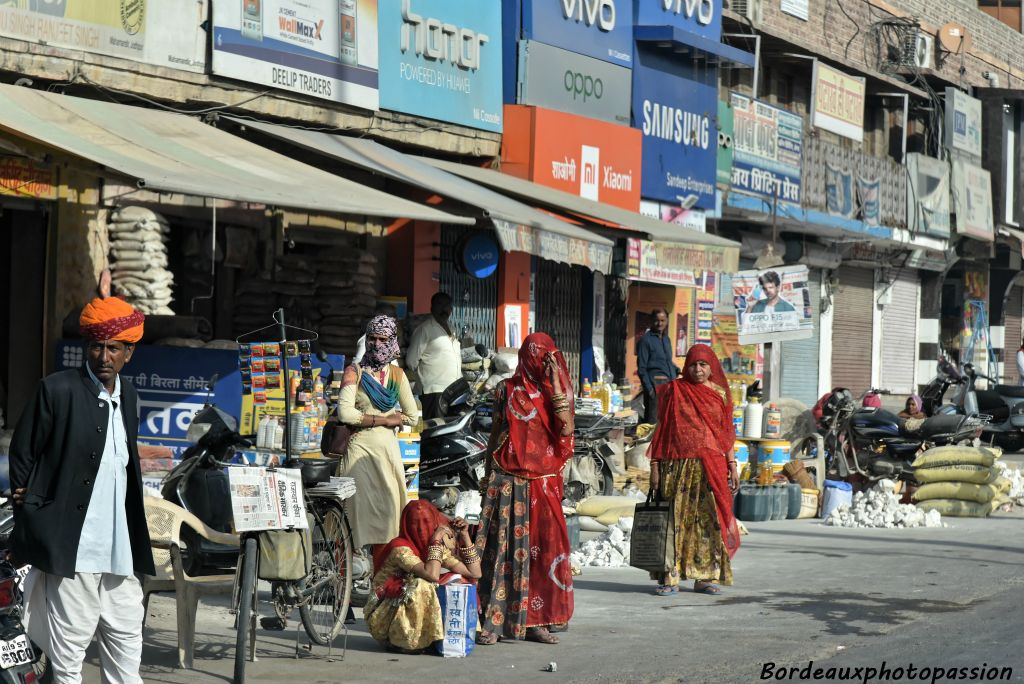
(610, 550)
(881, 507)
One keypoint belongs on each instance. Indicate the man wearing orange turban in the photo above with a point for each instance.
(79, 517)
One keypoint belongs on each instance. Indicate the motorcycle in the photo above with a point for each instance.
(1003, 404)
(876, 444)
(21, 660)
(589, 472)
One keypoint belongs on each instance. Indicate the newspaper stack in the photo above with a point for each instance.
(138, 256)
(339, 487)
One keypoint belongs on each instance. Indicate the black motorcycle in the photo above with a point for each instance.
(877, 444)
(21, 660)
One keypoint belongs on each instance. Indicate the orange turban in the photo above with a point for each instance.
(111, 319)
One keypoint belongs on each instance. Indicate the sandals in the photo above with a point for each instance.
(486, 638)
(541, 635)
(557, 629)
(666, 589)
(707, 588)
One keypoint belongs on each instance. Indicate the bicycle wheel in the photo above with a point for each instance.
(246, 600)
(327, 590)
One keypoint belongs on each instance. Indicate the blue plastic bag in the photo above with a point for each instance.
(459, 615)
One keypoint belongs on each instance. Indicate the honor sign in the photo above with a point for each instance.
(558, 79)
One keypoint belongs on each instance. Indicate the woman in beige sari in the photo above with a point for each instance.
(376, 399)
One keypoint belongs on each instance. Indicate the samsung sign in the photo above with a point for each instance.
(558, 79)
(596, 28)
(678, 119)
(703, 17)
(442, 60)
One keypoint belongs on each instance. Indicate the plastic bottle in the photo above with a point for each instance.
(616, 399)
(753, 415)
(586, 387)
(261, 432)
(278, 434)
(772, 422)
(765, 469)
(737, 420)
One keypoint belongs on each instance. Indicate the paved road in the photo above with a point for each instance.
(930, 597)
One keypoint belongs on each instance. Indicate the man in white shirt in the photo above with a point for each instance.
(435, 354)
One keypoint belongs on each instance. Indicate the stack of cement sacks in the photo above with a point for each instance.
(138, 259)
(960, 481)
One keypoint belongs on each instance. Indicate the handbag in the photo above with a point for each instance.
(285, 555)
(458, 615)
(335, 436)
(652, 543)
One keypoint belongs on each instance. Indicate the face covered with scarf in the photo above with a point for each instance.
(381, 343)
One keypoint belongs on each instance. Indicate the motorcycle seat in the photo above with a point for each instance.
(929, 427)
(1015, 391)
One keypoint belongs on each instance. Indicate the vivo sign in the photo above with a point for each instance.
(443, 42)
(595, 28)
(703, 17)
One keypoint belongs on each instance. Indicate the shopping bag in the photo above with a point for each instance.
(652, 543)
(458, 615)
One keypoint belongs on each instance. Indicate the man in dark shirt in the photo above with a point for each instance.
(654, 362)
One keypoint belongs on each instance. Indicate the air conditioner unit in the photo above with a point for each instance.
(918, 51)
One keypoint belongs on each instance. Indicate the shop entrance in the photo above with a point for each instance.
(22, 307)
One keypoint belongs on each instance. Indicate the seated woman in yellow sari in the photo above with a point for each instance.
(403, 612)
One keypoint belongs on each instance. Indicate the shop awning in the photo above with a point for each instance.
(686, 43)
(694, 250)
(175, 153)
(520, 227)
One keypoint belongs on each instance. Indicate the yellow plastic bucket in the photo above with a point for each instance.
(777, 451)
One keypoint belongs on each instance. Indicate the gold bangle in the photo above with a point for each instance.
(435, 552)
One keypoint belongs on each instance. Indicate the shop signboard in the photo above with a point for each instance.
(570, 82)
(674, 263)
(442, 60)
(927, 196)
(479, 255)
(677, 117)
(25, 178)
(797, 8)
(554, 246)
(963, 123)
(701, 17)
(596, 28)
(837, 102)
(164, 33)
(972, 201)
(593, 159)
(773, 305)
(725, 143)
(325, 49)
(691, 219)
(767, 149)
(742, 363)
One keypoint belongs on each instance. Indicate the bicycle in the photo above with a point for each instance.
(323, 596)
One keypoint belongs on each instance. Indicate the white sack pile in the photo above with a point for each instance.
(1016, 479)
(880, 507)
(138, 259)
(610, 550)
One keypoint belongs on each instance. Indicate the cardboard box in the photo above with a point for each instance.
(410, 449)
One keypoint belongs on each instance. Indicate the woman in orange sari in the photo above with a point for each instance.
(695, 468)
(526, 585)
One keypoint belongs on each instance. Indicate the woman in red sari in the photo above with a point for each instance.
(695, 468)
(527, 583)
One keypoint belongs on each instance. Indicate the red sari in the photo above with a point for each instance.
(695, 421)
(527, 581)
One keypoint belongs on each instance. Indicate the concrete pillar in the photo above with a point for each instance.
(513, 291)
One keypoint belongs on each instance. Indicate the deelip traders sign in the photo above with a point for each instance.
(442, 60)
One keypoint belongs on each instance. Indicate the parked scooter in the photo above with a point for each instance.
(21, 660)
(1003, 404)
(589, 472)
(876, 443)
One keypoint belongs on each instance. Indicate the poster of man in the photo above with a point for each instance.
(772, 305)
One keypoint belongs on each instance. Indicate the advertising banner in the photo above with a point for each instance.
(322, 48)
(705, 309)
(442, 60)
(570, 82)
(596, 28)
(161, 32)
(837, 102)
(741, 362)
(680, 145)
(839, 199)
(870, 193)
(772, 305)
(725, 143)
(593, 159)
(554, 246)
(927, 196)
(767, 149)
(702, 17)
(25, 178)
(692, 219)
(972, 201)
(673, 263)
(963, 123)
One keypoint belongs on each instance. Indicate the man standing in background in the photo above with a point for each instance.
(435, 355)
(78, 512)
(654, 362)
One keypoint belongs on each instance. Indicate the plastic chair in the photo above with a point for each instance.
(164, 520)
(801, 449)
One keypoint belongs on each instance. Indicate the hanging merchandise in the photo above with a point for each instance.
(978, 345)
(138, 255)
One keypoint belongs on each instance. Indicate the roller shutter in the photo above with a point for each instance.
(852, 329)
(1011, 342)
(474, 300)
(899, 335)
(559, 308)
(800, 357)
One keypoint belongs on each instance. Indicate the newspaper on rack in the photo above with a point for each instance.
(339, 487)
(263, 499)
